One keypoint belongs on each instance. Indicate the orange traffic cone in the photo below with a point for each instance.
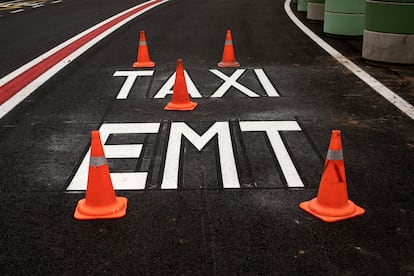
(228, 59)
(332, 203)
(180, 98)
(100, 201)
(143, 58)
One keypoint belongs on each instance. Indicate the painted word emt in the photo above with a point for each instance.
(178, 130)
(229, 82)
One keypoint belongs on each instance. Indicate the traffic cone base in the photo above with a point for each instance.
(327, 214)
(100, 201)
(148, 64)
(115, 210)
(224, 64)
(181, 106)
(332, 203)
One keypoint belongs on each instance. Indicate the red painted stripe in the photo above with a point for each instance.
(12, 87)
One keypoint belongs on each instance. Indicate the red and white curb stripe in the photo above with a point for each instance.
(22, 82)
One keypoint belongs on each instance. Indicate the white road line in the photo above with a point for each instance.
(120, 181)
(381, 89)
(30, 88)
(231, 81)
(56, 2)
(267, 85)
(272, 130)
(16, 11)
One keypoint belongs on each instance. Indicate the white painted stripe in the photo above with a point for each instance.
(129, 82)
(270, 125)
(231, 82)
(123, 151)
(267, 85)
(120, 181)
(16, 11)
(56, 2)
(227, 162)
(29, 89)
(128, 181)
(108, 129)
(272, 129)
(381, 89)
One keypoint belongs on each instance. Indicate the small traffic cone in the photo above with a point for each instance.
(180, 99)
(228, 60)
(100, 201)
(332, 203)
(143, 58)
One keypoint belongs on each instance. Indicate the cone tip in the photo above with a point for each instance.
(95, 134)
(142, 36)
(179, 64)
(336, 141)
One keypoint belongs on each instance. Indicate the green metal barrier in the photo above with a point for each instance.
(344, 17)
(302, 5)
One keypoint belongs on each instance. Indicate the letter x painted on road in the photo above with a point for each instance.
(231, 81)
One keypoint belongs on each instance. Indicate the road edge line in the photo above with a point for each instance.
(381, 89)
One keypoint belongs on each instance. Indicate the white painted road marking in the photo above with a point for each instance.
(231, 81)
(129, 82)
(381, 89)
(272, 130)
(170, 179)
(227, 162)
(167, 87)
(17, 11)
(267, 85)
(120, 181)
(25, 80)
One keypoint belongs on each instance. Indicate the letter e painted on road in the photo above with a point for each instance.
(120, 181)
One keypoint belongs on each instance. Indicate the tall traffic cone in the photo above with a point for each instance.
(100, 201)
(332, 203)
(143, 58)
(180, 99)
(228, 60)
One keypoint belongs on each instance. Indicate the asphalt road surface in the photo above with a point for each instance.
(212, 191)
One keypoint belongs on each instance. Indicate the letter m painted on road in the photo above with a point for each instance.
(227, 162)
